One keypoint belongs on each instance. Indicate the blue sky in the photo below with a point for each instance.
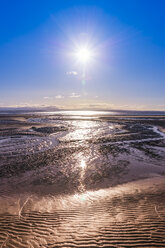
(37, 40)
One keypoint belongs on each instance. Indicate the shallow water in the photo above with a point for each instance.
(79, 153)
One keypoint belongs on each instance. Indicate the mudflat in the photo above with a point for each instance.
(82, 181)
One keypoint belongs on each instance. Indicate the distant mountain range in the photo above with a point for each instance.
(27, 109)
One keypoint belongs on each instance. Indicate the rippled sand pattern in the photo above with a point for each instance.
(131, 215)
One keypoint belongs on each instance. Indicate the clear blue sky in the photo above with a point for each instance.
(127, 70)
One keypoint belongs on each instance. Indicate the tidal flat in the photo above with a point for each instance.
(82, 180)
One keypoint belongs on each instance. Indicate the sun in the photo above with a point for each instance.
(83, 55)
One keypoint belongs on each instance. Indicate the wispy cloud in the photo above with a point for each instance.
(47, 97)
(74, 95)
(59, 97)
(161, 105)
(74, 73)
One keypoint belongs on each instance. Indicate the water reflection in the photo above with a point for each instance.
(83, 164)
(82, 130)
(80, 113)
(82, 133)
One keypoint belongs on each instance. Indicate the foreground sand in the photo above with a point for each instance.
(129, 215)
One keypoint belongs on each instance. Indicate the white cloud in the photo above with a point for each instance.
(47, 97)
(74, 73)
(74, 95)
(59, 97)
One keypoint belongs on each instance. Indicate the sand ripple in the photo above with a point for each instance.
(132, 215)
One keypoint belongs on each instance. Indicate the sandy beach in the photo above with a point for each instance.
(82, 181)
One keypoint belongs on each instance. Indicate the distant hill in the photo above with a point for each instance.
(27, 109)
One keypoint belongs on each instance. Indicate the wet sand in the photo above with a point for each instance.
(81, 182)
(129, 215)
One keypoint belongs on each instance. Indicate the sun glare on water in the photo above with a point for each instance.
(83, 164)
